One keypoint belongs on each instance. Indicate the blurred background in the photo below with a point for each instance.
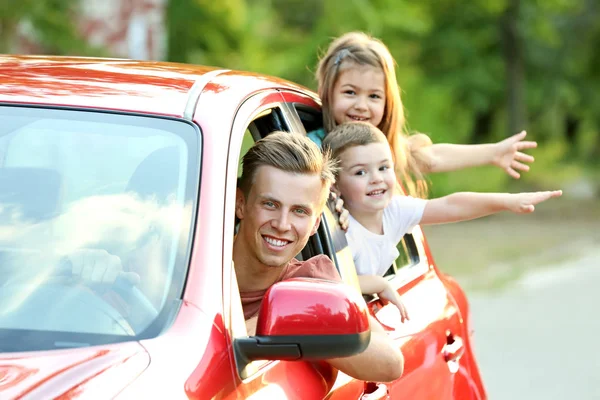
(470, 72)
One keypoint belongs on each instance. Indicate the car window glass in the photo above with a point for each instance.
(91, 190)
(312, 119)
(408, 256)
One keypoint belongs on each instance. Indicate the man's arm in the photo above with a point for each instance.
(505, 155)
(382, 361)
(465, 206)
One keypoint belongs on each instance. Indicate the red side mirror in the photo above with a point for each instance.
(308, 319)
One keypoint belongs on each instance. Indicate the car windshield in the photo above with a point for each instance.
(96, 214)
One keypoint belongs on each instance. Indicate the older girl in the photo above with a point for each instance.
(357, 82)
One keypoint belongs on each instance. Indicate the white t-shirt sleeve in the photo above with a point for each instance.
(403, 214)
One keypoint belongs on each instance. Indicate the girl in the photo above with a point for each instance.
(357, 82)
(379, 217)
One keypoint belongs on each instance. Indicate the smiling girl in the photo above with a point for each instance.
(357, 82)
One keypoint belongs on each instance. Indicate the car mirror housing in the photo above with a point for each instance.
(307, 319)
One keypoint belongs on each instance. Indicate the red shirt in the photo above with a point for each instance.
(320, 267)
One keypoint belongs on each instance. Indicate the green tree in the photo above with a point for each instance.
(49, 22)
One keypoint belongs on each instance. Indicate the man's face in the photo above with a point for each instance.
(279, 214)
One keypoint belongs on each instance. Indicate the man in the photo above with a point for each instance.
(284, 186)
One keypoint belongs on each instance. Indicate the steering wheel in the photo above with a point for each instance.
(56, 307)
(142, 314)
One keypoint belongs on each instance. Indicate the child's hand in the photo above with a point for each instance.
(523, 203)
(389, 294)
(508, 154)
(343, 218)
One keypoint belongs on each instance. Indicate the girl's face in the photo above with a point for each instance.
(366, 180)
(359, 94)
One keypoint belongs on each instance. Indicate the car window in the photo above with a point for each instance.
(312, 119)
(83, 193)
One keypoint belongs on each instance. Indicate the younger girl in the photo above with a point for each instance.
(357, 82)
(379, 217)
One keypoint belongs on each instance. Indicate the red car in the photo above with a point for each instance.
(134, 164)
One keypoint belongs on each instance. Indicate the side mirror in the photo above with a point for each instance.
(307, 319)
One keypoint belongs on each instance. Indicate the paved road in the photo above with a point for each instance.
(540, 338)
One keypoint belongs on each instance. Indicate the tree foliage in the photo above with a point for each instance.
(50, 23)
(469, 72)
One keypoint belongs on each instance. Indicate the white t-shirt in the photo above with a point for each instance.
(374, 254)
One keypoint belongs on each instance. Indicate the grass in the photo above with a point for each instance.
(489, 253)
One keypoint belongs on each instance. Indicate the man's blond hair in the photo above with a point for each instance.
(289, 152)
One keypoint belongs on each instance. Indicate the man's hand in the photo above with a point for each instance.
(508, 155)
(382, 361)
(95, 266)
(523, 203)
(389, 294)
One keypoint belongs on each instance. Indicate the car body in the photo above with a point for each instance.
(140, 160)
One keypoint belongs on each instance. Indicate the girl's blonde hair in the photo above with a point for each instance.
(362, 49)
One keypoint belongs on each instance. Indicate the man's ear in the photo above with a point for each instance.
(240, 202)
(317, 223)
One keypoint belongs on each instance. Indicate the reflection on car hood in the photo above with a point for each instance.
(101, 370)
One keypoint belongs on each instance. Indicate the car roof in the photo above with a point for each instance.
(160, 88)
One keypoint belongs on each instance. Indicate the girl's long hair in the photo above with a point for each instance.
(359, 48)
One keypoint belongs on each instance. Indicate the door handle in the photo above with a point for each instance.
(454, 349)
(381, 393)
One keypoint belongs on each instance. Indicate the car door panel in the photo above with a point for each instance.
(435, 326)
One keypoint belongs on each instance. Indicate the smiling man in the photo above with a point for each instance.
(284, 186)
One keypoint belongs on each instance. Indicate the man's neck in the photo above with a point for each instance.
(372, 221)
(251, 274)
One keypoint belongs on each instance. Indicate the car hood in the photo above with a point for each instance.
(102, 370)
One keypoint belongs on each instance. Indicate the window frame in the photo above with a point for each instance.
(248, 112)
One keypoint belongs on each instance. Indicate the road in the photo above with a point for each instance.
(540, 337)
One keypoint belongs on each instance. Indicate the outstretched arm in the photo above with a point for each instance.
(382, 361)
(506, 155)
(465, 206)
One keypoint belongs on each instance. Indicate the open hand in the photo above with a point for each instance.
(509, 157)
(523, 203)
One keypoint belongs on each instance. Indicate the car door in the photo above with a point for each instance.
(432, 340)
(259, 115)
